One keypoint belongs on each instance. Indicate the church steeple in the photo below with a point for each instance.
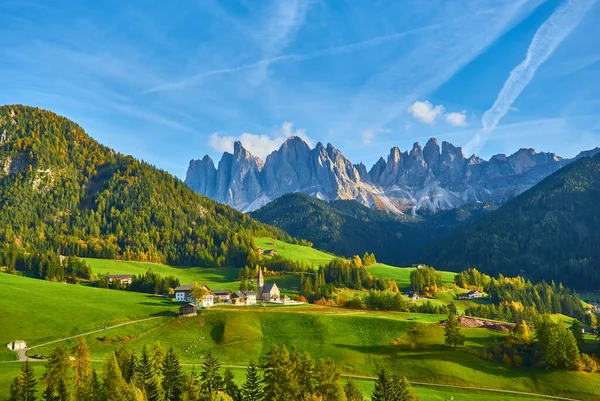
(261, 282)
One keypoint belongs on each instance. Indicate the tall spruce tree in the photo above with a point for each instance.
(384, 387)
(452, 333)
(96, 387)
(328, 381)
(229, 385)
(577, 329)
(403, 389)
(190, 387)
(147, 380)
(210, 378)
(115, 385)
(352, 391)
(252, 387)
(83, 371)
(172, 374)
(280, 382)
(56, 377)
(23, 387)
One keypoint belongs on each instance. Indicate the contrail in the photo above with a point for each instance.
(546, 39)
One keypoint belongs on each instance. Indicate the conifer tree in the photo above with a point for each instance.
(172, 377)
(384, 387)
(190, 387)
(404, 391)
(252, 387)
(114, 384)
(57, 376)
(48, 394)
(23, 387)
(146, 379)
(305, 370)
(83, 371)
(127, 363)
(577, 333)
(280, 383)
(210, 378)
(229, 385)
(352, 391)
(452, 333)
(96, 387)
(328, 381)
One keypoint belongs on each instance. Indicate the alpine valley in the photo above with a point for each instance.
(425, 179)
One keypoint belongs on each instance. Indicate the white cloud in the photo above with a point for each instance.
(546, 39)
(367, 137)
(260, 145)
(425, 111)
(456, 119)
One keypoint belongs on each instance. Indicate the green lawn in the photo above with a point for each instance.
(38, 311)
(402, 275)
(297, 253)
(215, 278)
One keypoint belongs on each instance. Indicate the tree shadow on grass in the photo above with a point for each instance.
(441, 353)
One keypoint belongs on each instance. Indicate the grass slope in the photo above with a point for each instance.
(216, 278)
(297, 253)
(38, 311)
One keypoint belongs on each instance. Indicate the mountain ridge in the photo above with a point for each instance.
(424, 179)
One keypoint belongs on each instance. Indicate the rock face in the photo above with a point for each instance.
(422, 179)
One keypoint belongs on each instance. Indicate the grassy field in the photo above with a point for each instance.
(360, 342)
(214, 278)
(402, 275)
(297, 253)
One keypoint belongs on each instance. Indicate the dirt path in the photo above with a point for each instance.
(23, 352)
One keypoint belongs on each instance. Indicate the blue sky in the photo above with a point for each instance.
(170, 81)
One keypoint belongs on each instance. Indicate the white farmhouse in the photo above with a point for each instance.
(183, 294)
(16, 345)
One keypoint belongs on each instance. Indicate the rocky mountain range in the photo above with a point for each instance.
(426, 179)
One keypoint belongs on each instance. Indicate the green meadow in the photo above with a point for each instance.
(294, 252)
(214, 277)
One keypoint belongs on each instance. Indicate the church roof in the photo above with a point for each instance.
(269, 287)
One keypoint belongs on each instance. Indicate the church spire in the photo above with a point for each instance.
(261, 282)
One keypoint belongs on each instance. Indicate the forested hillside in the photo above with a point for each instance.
(549, 232)
(61, 191)
(345, 227)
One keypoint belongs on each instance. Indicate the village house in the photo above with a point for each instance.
(260, 251)
(188, 310)
(270, 252)
(16, 345)
(243, 298)
(418, 265)
(121, 278)
(412, 295)
(183, 294)
(223, 295)
(266, 292)
(250, 297)
(471, 295)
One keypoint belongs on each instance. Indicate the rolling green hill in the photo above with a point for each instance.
(297, 253)
(549, 232)
(62, 191)
(348, 228)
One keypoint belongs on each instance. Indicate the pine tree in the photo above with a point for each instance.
(96, 388)
(172, 377)
(577, 329)
(280, 382)
(83, 371)
(48, 394)
(147, 376)
(229, 385)
(452, 332)
(252, 387)
(328, 381)
(114, 383)
(190, 387)
(305, 370)
(404, 390)
(384, 387)
(57, 373)
(210, 379)
(23, 386)
(352, 391)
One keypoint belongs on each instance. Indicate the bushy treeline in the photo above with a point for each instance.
(425, 280)
(390, 301)
(67, 193)
(46, 266)
(156, 374)
(149, 283)
(341, 273)
(515, 297)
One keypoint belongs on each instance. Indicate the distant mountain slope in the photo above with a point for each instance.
(61, 190)
(551, 232)
(349, 228)
(424, 180)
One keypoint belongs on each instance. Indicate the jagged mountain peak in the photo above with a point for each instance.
(429, 178)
